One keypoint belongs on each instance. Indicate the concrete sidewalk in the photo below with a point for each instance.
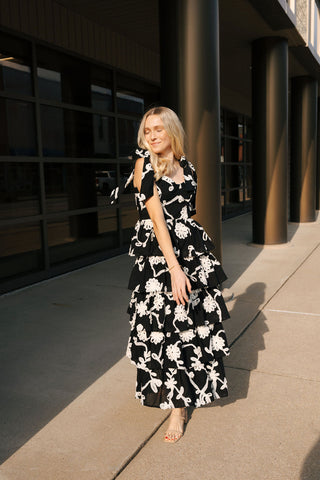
(67, 393)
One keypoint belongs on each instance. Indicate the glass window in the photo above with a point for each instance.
(19, 190)
(233, 199)
(134, 96)
(70, 186)
(101, 98)
(125, 171)
(21, 249)
(129, 216)
(49, 83)
(106, 179)
(231, 127)
(101, 89)
(128, 131)
(63, 77)
(130, 103)
(234, 176)
(78, 133)
(17, 134)
(52, 127)
(222, 157)
(248, 177)
(104, 136)
(248, 194)
(79, 235)
(15, 75)
(223, 177)
(236, 170)
(233, 150)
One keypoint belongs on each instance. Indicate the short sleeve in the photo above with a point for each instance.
(193, 199)
(147, 178)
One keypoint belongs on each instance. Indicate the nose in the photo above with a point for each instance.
(153, 135)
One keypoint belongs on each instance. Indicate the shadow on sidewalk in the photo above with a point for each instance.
(244, 355)
(248, 349)
(55, 341)
(311, 467)
(52, 351)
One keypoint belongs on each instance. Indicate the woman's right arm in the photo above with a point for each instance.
(179, 280)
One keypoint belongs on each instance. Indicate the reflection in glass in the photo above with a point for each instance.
(20, 250)
(15, 75)
(101, 98)
(17, 132)
(248, 177)
(70, 186)
(234, 176)
(19, 190)
(233, 150)
(106, 180)
(125, 171)
(248, 194)
(234, 201)
(53, 142)
(128, 130)
(79, 235)
(49, 84)
(108, 224)
(129, 216)
(78, 133)
(223, 177)
(236, 169)
(103, 136)
(130, 103)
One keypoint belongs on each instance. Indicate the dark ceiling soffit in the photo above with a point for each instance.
(273, 14)
(307, 60)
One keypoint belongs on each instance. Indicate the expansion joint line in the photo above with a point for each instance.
(135, 453)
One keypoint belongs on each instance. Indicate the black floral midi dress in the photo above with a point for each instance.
(178, 349)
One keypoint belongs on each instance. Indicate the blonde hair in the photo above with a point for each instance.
(175, 131)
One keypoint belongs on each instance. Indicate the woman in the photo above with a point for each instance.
(176, 310)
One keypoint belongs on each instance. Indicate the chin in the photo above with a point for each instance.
(156, 150)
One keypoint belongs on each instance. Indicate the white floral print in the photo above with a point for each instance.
(203, 331)
(178, 349)
(141, 308)
(156, 337)
(218, 342)
(187, 335)
(209, 304)
(173, 352)
(153, 285)
(158, 301)
(206, 263)
(181, 230)
(180, 313)
(142, 334)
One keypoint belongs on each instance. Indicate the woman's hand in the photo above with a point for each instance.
(179, 282)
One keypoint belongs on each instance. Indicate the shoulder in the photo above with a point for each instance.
(140, 153)
(138, 166)
(191, 166)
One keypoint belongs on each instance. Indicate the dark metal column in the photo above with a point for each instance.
(303, 149)
(270, 139)
(318, 160)
(189, 38)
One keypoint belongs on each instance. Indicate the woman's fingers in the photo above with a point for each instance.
(180, 289)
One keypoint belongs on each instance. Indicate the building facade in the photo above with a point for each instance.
(75, 79)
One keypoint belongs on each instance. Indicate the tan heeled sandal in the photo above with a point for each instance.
(173, 435)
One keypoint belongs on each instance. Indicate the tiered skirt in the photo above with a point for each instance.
(178, 349)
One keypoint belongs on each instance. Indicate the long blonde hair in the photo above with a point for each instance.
(175, 131)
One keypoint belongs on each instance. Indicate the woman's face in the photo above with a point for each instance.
(156, 136)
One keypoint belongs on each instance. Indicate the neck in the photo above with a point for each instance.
(169, 157)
